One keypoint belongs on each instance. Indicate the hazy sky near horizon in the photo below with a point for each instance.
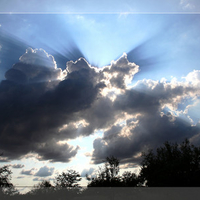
(78, 87)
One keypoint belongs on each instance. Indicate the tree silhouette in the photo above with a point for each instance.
(112, 167)
(108, 175)
(5, 185)
(130, 179)
(68, 180)
(42, 188)
(173, 165)
(5, 176)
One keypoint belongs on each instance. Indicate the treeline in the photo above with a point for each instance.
(171, 165)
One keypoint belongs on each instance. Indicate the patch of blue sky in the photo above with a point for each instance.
(103, 38)
(193, 111)
(162, 45)
(187, 110)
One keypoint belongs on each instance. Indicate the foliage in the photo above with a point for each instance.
(130, 179)
(112, 167)
(172, 165)
(5, 176)
(45, 184)
(5, 184)
(42, 188)
(108, 176)
(66, 186)
(68, 180)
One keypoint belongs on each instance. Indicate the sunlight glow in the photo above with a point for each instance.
(126, 131)
(111, 92)
(81, 123)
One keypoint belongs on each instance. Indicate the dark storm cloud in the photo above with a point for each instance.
(44, 171)
(112, 132)
(101, 114)
(150, 132)
(55, 152)
(34, 66)
(16, 76)
(151, 127)
(42, 105)
(33, 111)
(149, 96)
(32, 73)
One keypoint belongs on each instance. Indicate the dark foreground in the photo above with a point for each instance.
(138, 193)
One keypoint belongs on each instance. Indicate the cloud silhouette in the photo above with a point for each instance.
(38, 57)
(42, 105)
(147, 125)
(44, 171)
(89, 172)
(17, 166)
(27, 172)
(20, 177)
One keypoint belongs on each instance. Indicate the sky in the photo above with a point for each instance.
(80, 83)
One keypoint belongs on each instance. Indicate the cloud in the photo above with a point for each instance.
(35, 66)
(38, 57)
(44, 171)
(42, 179)
(16, 76)
(42, 105)
(87, 154)
(87, 171)
(120, 72)
(37, 179)
(20, 177)
(50, 106)
(27, 172)
(56, 152)
(193, 78)
(147, 124)
(81, 63)
(188, 4)
(149, 132)
(17, 166)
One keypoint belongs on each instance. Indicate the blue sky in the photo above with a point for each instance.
(136, 86)
(163, 40)
(103, 6)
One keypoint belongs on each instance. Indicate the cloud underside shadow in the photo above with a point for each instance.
(42, 105)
